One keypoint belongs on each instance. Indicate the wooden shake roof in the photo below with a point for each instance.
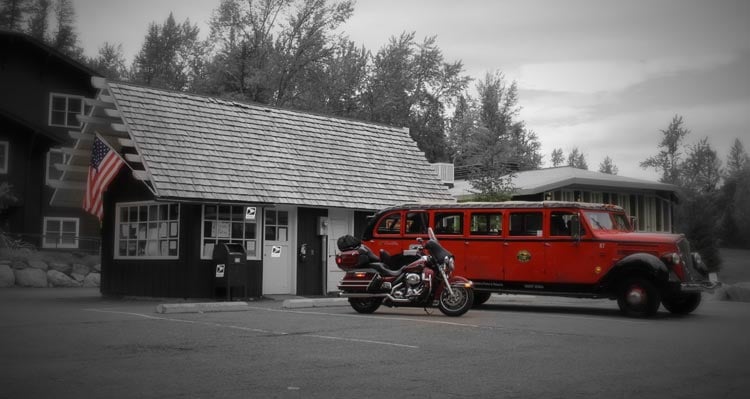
(197, 148)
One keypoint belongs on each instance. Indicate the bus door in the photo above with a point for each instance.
(483, 247)
(563, 248)
(524, 252)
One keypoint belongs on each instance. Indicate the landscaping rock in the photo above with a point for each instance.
(78, 277)
(39, 264)
(739, 292)
(7, 278)
(18, 264)
(92, 280)
(78, 268)
(98, 267)
(31, 278)
(59, 279)
(61, 267)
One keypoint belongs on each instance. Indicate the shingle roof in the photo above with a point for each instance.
(212, 150)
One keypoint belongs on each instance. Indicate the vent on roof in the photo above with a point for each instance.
(444, 172)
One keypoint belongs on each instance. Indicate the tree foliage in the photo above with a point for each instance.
(668, 160)
(608, 166)
(557, 157)
(577, 159)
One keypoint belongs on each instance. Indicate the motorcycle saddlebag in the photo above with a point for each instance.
(352, 259)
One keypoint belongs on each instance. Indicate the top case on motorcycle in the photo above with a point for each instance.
(348, 242)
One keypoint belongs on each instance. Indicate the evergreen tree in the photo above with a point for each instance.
(557, 157)
(12, 14)
(65, 38)
(608, 166)
(38, 25)
(668, 161)
(577, 159)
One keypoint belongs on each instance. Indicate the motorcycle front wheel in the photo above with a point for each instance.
(458, 303)
(365, 305)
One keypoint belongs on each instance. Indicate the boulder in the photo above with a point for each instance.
(7, 278)
(60, 279)
(61, 267)
(18, 264)
(39, 264)
(31, 277)
(739, 292)
(98, 268)
(77, 277)
(92, 280)
(81, 269)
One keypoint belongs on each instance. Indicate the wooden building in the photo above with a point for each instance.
(43, 92)
(203, 171)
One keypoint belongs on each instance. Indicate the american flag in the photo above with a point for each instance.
(105, 163)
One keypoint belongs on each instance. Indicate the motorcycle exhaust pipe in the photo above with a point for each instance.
(387, 296)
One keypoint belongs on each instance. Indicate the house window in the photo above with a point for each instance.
(60, 232)
(63, 109)
(230, 223)
(147, 230)
(277, 225)
(4, 157)
(55, 156)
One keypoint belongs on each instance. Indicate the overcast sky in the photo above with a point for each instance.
(601, 75)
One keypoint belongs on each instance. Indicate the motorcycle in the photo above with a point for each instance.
(419, 277)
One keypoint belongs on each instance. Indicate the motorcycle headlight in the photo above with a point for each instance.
(449, 264)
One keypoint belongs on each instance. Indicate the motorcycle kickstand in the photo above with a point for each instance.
(427, 311)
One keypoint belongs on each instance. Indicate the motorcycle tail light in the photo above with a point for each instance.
(360, 274)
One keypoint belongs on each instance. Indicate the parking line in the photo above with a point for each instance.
(233, 327)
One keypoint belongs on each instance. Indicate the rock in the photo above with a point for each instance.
(92, 280)
(60, 279)
(739, 292)
(7, 278)
(39, 264)
(81, 269)
(31, 277)
(98, 267)
(77, 277)
(18, 264)
(61, 267)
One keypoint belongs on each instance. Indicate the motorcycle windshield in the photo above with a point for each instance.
(437, 251)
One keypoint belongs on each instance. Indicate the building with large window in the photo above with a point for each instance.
(202, 172)
(649, 202)
(42, 97)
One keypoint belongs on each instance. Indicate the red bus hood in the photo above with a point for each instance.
(655, 238)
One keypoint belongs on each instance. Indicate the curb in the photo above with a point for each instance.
(202, 307)
(314, 303)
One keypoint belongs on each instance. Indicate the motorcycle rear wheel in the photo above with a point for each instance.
(365, 305)
(457, 304)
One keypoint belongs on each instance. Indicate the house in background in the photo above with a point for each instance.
(201, 172)
(650, 203)
(43, 92)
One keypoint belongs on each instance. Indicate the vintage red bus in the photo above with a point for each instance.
(553, 248)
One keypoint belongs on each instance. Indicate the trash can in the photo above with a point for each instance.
(230, 261)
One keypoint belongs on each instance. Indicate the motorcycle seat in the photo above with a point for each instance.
(383, 269)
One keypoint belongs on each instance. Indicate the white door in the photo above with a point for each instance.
(340, 222)
(278, 250)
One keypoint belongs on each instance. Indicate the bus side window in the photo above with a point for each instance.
(449, 223)
(416, 223)
(390, 224)
(486, 224)
(528, 224)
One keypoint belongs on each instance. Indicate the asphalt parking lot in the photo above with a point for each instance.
(72, 342)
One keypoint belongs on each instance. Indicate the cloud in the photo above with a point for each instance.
(595, 76)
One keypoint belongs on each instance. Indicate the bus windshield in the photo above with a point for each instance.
(607, 221)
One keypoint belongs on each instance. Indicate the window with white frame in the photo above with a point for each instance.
(4, 146)
(230, 223)
(64, 108)
(55, 156)
(147, 230)
(60, 232)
